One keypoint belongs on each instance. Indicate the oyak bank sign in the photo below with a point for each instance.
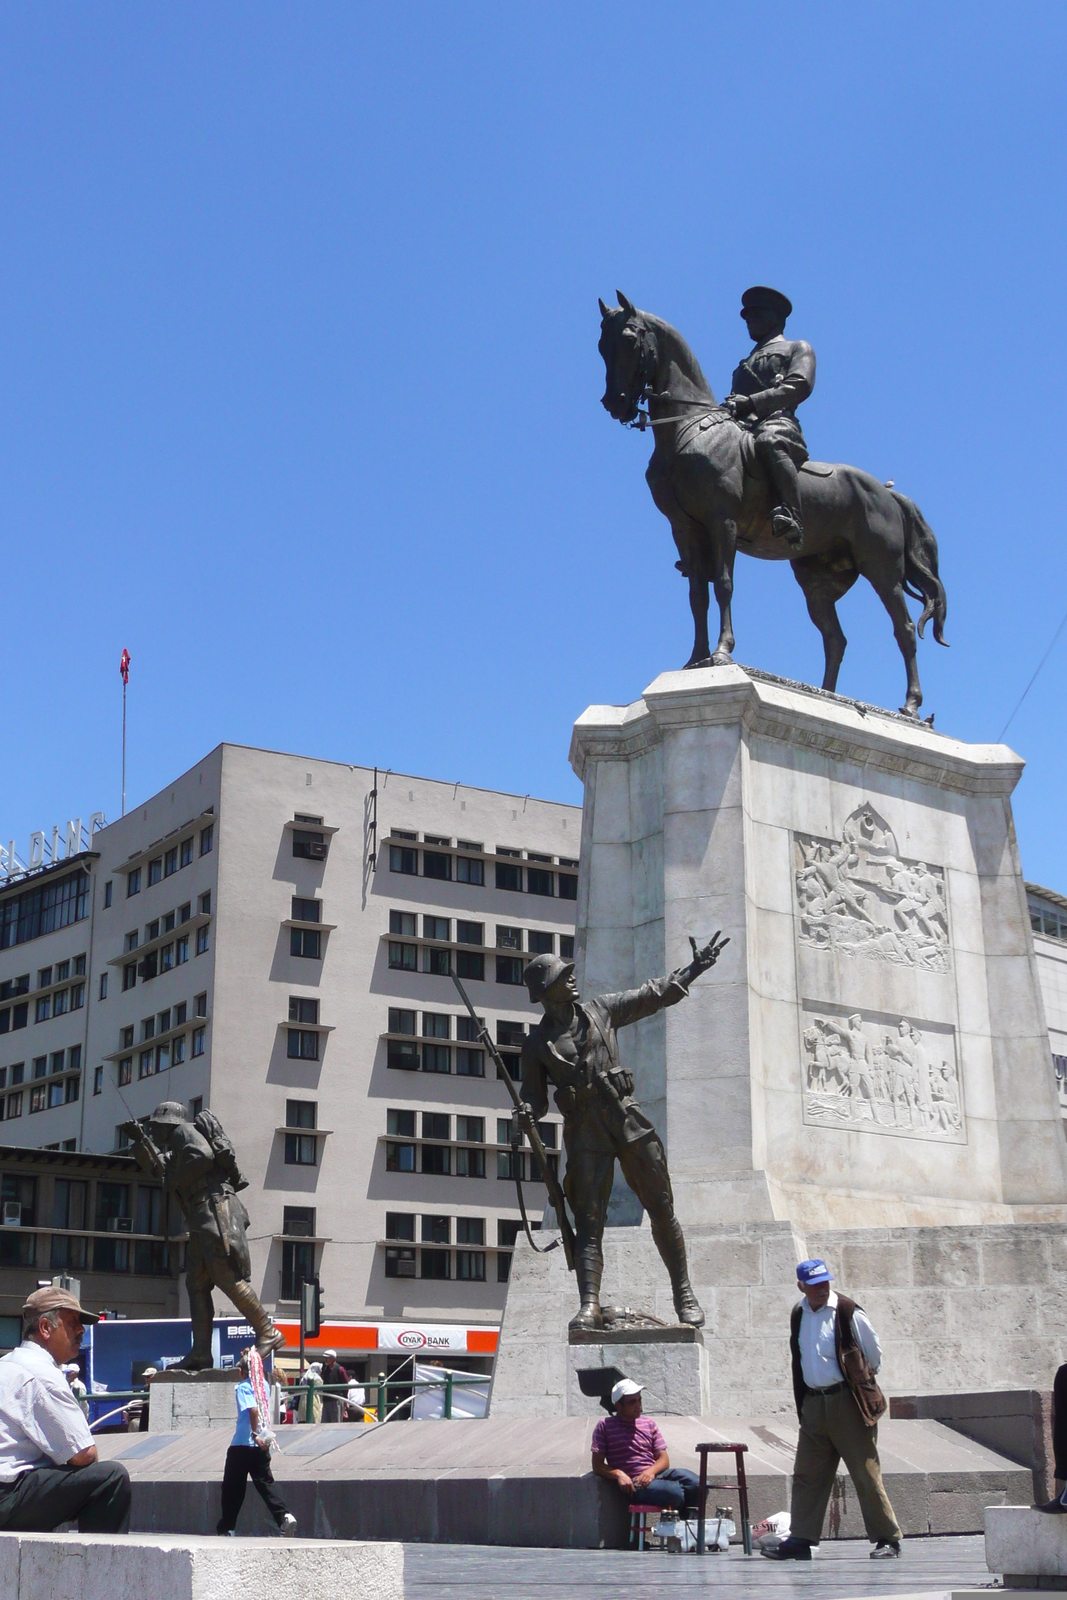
(420, 1338)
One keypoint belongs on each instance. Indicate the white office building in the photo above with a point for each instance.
(273, 937)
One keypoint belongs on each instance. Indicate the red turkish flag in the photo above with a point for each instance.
(124, 667)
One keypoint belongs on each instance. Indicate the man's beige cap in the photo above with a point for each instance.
(54, 1299)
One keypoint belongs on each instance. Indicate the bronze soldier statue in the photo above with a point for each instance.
(575, 1045)
(767, 388)
(198, 1164)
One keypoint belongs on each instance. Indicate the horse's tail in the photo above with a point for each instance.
(921, 579)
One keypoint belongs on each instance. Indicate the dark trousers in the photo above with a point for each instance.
(97, 1497)
(1059, 1422)
(671, 1490)
(244, 1462)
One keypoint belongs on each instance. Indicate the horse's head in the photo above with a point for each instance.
(628, 346)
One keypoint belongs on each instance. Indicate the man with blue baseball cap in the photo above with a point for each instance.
(836, 1355)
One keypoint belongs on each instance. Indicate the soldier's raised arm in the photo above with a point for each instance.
(633, 1004)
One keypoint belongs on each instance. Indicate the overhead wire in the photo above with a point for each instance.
(1033, 680)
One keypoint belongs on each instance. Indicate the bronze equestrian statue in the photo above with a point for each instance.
(737, 476)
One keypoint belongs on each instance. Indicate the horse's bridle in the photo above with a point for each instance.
(643, 420)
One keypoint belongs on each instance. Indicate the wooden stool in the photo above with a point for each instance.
(738, 1452)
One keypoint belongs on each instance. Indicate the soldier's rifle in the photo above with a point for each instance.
(529, 1127)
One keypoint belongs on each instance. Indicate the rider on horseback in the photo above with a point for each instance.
(767, 388)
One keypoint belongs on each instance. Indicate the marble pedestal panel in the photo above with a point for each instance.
(871, 1050)
(180, 1400)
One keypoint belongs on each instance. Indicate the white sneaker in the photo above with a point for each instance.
(288, 1527)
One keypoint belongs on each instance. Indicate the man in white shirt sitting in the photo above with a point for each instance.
(49, 1472)
(835, 1355)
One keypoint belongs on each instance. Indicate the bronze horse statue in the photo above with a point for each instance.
(704, 477)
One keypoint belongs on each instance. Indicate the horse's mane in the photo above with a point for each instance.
(675, 348)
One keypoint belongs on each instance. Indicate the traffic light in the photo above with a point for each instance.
(310, 1307)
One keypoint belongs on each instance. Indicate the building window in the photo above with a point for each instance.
(435, 864)
(436, 1025)
(470, 964)
(69, 1211)
(201, 939)
(436, 1160)
(298, 1222)
(403, 923)
(144, 1064)
(400, 1225)
(435, 1263)
(435, 928)
(540, 944)
(103, 986)
(400, 1263)
(14, 1108)
(185, 912)
(98, 1080)
(509, 969)
(400, 1158)
(177, 1050)
(166, 958)
(43, 1011)
(181, 950)
(508, 876)
(107, 894)
(186, 848)
(303, 1045)
(437, 962)
(133, 882)
(207, 839)
(74, 1058)
(402, 1056)
(302, 1010)
(470, 1163)
(401, 1021)
(309, 846)
(436, 1058)
(306, 910)
(162, 1057)
(198, 1041)
(400, 1123)
(405, 957)
(44, 909)
(568, 886)
(155, 871)
(179, 1013)
(539, 881)
(37, 1098)
(468, 871)
(17, 1247)
(112, 1217)
(305, 942)
(437, 1230)
(470, 1265)
(469, 1063)
(196, 1105)
(200, 1005)
(129, 975)
(403, 859)
(566, 946)
(170, 862)
(125, 1071)
(508, 938)
(470, 933)
(301, 1149)
(470, 1230)
(298, 1266)
(56, 1093)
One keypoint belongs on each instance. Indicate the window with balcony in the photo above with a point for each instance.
(305, 942)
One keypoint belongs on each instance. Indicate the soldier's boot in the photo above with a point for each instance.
(670, 1242)
(786, 520)
(588, 1269)
(202, 1316)
(248, 1303)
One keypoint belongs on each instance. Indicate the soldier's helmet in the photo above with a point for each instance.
(542, 972)
(171, 1111)
(761, 298)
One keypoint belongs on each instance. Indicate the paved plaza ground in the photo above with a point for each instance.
(842, 1571)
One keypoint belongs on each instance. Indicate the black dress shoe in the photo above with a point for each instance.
(886, 1550)
(1054, 1506)
(789, 1550)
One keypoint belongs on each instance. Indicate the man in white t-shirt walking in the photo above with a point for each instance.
(49, 1472)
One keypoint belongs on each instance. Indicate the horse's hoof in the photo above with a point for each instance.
(910, 711)
(722, 658)
(695, 661)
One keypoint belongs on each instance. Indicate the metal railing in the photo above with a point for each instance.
(380, 1385)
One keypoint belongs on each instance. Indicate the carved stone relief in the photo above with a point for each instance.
(872, 1076)
(860, 897)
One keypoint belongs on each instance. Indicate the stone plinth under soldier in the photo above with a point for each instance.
(197, 1164)
(575, 1046)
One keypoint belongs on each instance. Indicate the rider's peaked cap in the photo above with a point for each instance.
(169, 1111)
(542, 972)
(760, 298)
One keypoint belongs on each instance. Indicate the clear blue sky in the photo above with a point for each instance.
(299, 388)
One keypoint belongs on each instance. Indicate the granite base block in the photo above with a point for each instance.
(192, 1400)
(673, 1375)
(1026, 1547)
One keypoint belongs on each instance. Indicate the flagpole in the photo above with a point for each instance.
(124, 671)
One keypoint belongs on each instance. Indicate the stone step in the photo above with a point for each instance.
(98, 1566)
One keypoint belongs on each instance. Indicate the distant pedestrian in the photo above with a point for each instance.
(72, 1372)
(332, 1372)
(835, 1355)
(49, 1472)
(249, 1453)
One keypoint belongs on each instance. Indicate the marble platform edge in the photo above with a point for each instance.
(679, 1334)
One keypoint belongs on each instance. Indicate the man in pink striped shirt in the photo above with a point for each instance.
(630, 1450)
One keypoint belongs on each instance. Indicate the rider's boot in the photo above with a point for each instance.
(588, 1269)
(786, 524)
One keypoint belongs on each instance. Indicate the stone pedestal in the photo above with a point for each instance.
(673, 1372)
(1026, 1547)
(184, 1400)
(871, 1050)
